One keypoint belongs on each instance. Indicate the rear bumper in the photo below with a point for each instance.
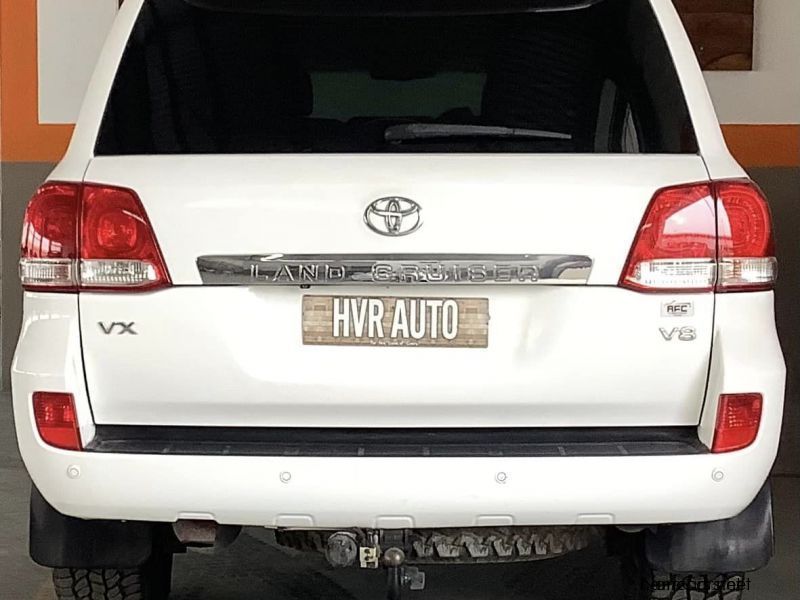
(400, 492)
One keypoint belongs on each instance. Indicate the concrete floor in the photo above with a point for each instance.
(255, 568)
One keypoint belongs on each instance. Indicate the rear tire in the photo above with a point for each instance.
(151, 581)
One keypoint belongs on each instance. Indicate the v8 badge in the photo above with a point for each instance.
(683, 334)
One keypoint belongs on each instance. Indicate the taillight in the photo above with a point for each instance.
(56, 422)
(50, 239)
(89, 237)
(117, 245)
(738, 420)
(703, 237)
(676, 246)
(746, 246)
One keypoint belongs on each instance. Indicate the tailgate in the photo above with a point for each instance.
(576, 351)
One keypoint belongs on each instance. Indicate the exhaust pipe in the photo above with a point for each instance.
(205, 534)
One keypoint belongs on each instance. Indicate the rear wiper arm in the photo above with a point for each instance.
(427, 131)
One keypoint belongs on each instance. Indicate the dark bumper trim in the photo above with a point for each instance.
(517, 442)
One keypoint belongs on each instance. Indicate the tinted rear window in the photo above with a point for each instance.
(596, 80)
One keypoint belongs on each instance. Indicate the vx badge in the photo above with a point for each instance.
(120, 328)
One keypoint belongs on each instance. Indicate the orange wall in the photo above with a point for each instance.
(764, 145)
(25, 140)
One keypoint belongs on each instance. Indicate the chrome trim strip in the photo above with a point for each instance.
(388, 269)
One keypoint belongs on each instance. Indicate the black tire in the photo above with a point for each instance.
(151, 581)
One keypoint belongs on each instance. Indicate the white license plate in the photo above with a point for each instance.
(393, 321)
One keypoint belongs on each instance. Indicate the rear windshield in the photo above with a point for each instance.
(595, 80)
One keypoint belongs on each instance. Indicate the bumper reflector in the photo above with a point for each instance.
(56, 420)
(738, 420)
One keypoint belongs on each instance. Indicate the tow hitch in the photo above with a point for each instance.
(401, 551)
(343, 549)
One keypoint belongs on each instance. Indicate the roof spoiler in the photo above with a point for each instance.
(397, 8)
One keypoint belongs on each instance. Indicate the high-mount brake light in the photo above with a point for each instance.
(701, 238)
(89, 237)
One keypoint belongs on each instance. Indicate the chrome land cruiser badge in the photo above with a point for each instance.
(337, 269)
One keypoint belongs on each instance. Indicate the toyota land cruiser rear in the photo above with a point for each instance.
(406, 283)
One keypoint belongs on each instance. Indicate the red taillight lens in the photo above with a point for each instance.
(738, 419)
(675, 248)
(746, 245)
(56, 422)
(89, 237)
(702, 237)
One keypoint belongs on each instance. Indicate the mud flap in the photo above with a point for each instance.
(742, 543)
(59, 541)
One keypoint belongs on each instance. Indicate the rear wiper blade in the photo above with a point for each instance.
(427, 131)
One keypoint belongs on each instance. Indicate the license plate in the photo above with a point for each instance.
(392, 321)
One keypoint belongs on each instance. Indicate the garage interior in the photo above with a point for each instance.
(750, 50)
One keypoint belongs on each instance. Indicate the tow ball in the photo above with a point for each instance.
(343, 550)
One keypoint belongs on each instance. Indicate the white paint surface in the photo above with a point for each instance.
(71, 34)
(771, 92)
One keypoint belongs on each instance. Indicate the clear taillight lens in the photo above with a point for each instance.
(47, 273)
(89, 237)
(704, 237)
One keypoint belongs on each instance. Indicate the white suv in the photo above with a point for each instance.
(406, 282)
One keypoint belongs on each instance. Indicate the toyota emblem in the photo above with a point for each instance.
(393, 216)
